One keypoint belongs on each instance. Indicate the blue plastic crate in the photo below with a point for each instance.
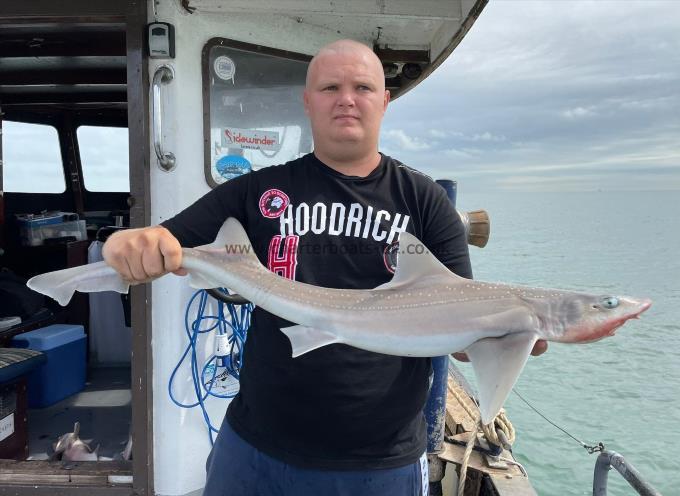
(64, 373)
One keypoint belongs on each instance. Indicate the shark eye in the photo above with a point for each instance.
(610, 302)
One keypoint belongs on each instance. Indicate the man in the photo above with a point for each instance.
(338, 420)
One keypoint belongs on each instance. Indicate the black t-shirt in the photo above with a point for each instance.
(337, 407)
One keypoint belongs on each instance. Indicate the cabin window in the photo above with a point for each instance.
(31, 161)
(104, 158)
(253, 112)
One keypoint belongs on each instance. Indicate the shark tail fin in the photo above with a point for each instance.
(61, 284)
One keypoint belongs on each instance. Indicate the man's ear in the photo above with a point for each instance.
(305, 101)
(386, 100)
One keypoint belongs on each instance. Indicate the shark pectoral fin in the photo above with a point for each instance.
(200, 281)
(497, 363)
(304, 339)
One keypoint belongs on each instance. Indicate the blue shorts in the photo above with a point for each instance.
(235, 468)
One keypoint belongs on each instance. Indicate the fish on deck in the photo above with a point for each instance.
(69, 447)
(424, 311)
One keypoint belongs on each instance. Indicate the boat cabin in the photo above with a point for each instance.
(118, 115)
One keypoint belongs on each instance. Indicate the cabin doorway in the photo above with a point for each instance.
(74, 169)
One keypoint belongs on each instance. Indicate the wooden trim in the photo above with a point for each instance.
(74, 10)
(64, 490)
(140, 215)
(72, 167)
(57, 478)
(64, 77)
(403, 9)
(98, 44)
(30, 98)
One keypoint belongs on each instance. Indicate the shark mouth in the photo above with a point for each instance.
(611, 331)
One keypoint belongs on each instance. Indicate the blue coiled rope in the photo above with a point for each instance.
(235, 322)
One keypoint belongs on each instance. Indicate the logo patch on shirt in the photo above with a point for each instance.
(273, 202)
(390, 256)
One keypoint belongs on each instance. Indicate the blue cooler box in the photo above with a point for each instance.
(64, 373)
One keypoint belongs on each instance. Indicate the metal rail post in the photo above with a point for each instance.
(608, 459)
(435, 410)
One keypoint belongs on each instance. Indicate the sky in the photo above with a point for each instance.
(543, 95)
(551, 96)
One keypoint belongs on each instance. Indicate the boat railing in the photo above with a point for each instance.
(608, 459)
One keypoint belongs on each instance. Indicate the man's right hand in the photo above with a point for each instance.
(140, 255)
(540, 347)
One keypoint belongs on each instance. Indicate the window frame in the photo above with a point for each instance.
(205, 82)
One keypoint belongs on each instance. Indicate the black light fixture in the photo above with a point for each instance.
(411, 71)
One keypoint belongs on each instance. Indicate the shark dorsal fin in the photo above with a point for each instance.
(414, 263)
(231, 233)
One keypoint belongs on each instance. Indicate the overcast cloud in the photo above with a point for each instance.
(551, 95)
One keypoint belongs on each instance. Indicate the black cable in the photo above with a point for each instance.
(591, 449)
(232, 299)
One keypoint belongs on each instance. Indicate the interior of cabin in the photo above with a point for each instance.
(65, 187)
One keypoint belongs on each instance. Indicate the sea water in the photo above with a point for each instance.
(623, 391)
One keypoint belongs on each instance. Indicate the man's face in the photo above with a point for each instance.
(345, 100)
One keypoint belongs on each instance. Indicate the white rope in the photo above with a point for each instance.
(500, 432)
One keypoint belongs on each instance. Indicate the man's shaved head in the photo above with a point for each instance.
(346, 47)
(345, 100)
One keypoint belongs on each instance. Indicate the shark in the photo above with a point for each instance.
(425, 310)
(69, 447)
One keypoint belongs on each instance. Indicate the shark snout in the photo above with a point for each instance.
(643, 307)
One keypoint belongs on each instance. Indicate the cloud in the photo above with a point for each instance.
(485, 136)
(578, 113)
(436, 133)
(583, 88)
(406, 141)
(454, 153)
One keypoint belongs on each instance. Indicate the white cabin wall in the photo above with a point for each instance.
(180, 436)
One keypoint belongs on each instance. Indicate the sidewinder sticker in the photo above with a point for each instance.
(250, 139)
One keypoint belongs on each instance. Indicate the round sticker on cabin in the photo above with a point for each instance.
(225, 69)
(231, 166)
(390, 256)
(273, 202)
